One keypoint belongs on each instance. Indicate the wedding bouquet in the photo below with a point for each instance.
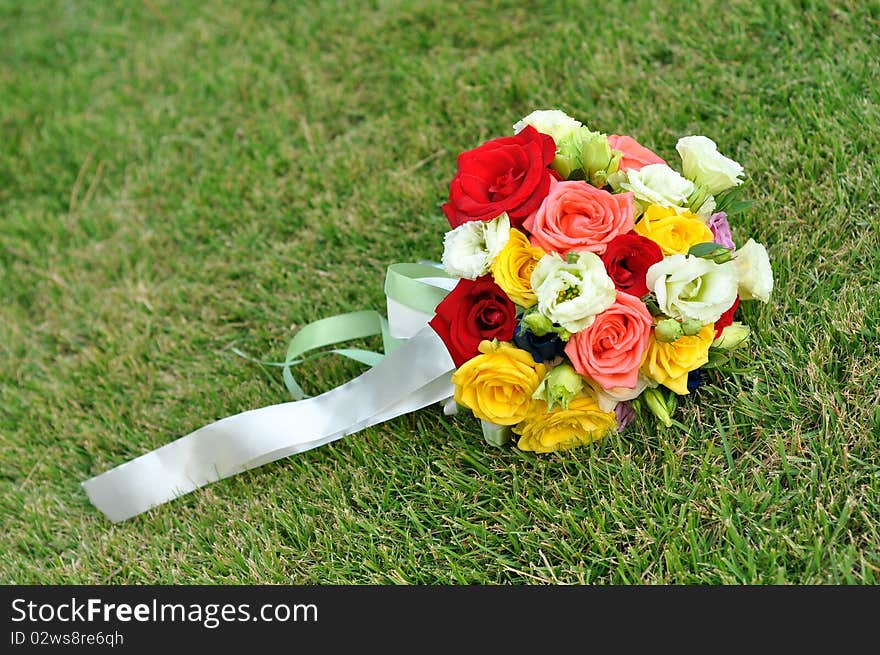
(592, 276)
(582, 275)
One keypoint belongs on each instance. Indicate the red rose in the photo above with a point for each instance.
(627, 260)
(726, 318)
(473, 311)
(509, 174)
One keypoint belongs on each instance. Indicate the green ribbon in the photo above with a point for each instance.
(330, 331)
(403, 284)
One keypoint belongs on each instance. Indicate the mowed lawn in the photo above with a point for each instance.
(181, 178)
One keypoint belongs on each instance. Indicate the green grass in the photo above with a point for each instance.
(180, 177)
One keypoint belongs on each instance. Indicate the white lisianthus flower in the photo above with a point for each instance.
(693, 288)
(554, 122)
(755, 273)
(608, 398)
(572, 293)
(497, 235)
(470, 249)
(702, 163)
(707, 209)
(657, 184)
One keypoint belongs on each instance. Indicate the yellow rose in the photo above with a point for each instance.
(498, 385)
(669, 363)
(512, 268)
(674, 233)
(561, 429)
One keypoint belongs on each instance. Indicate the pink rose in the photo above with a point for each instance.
(577, 216)
(610, 351)
(635, 155)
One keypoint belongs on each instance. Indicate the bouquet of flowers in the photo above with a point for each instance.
(582, 275)
(592, 277)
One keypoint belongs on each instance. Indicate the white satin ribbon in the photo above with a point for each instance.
(415, 375)
(403, 320)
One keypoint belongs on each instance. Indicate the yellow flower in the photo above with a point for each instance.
(674, 233)
(512, 268)
(669, 363)
(498, 384)
(581, 423)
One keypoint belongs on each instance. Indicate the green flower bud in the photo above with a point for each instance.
(691, 327)
(560, 386)
(536, 323)
(671, 403)
(605, 176)
(722, 255)
(595, 151)
(597, 157)
(614, 164)
(656, 402)
(709, 250)
(733, 336)
(618, 177)
(650, 301)
(561, 332)
(568, 155)
(599, 179)
(697, 198)
(668, 330)
(572, 256)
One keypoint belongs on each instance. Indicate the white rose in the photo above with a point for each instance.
(657, 184)
(689, 287)
(702, 163)
(470, 249)
(554, 122)
(755, 272)
(572, 293)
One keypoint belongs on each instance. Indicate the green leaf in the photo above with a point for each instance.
(738, 207)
